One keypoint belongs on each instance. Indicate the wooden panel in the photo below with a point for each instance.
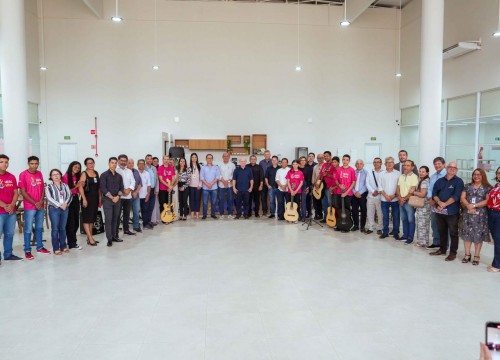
(182, 143)
(259, 141)
(236, 139)
(207, 144)
(239, 150)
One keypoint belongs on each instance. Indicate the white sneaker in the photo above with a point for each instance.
(230, 217)
(221, 217)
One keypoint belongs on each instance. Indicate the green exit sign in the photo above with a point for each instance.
(67, 137)
(497, 139)
(373, 138)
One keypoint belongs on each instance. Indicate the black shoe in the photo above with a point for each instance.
(237, 217)
(383, 236)
(110, 243)
(257, 215)
(323, 221)
(432, 246)
(318, 217)
(148, 226)
(14, 258)
(203, 217)
(117, 240)
(281, 218)
(271, 216)
(128, 232)
(354, 228)
(153, 224)
(344, 231)
(138, 230)
(396, 237)
(379, 232)
(246, 217)
(336, 229)
(363, 230)
(214, 217)
(368, 232)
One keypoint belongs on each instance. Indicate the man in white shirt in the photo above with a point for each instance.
(373, 203)
(225, 186)
(145, 195)
(128, 187)
(389, 200)
(282, 183)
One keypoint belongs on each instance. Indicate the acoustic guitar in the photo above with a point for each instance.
(291, 213)
(345, 221)
(317, 191)
(168, 214)
(331, 217)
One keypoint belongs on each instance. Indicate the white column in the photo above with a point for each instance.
(14, 83)
(431, 80)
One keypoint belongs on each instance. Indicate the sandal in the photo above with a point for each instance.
(58, 252)
(476, 262)
(466, 259)
(66, 250)
(493, 269)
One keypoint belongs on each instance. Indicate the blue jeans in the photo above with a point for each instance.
(494, 225)
(213, 201)
(326, 201)
(29, 217)
(408, 218)
(395, 216)
(229, 193)
(58, 218)
(136, 208)
(273, 196)
(7, 228)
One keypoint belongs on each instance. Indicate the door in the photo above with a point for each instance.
(371, 151)
(67, 154)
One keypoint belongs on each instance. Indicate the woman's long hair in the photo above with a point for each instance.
(69, 173)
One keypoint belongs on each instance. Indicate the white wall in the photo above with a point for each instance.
(226, 68)
(465, 20)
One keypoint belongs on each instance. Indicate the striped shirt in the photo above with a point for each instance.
(58, 196)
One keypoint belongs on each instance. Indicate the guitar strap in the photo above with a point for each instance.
(375, 178)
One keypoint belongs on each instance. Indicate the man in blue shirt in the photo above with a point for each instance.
(439, 166)
(209, 175)
(446, 195)
(359, 199)
(242, 186)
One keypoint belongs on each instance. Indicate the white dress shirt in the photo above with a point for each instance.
(281, 177)
(146, 181)
(128, 180)
(226, 173)
(371, 185)
(389, 183)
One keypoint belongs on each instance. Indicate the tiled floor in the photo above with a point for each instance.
(247, 289)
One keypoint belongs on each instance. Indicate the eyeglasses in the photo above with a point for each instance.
(389, 162)
(452, 167)
(476, 175)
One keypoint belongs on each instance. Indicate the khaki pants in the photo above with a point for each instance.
(373, 206)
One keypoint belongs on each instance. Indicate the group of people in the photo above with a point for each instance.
(401, 192)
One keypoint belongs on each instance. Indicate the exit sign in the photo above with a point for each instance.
(373, 138)
(497, 139)
(92, 132)
(66, 137)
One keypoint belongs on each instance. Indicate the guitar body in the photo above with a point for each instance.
(345, 221)
(291, 213)
(317, 192)
(168, 214)
(331, 218)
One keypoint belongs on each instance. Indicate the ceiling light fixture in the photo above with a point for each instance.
(43, 67)
(156, 66)
(398, 60)
(497, 33)
(116, 17)
(298, 67)
(345, 22)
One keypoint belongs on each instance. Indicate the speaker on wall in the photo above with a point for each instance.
(176, 152)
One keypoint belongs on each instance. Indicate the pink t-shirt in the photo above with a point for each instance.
(166, 174)
(33, 185)
(295, 178)
(75, 181)
(345, 177)
(8, 185)
(328, 176)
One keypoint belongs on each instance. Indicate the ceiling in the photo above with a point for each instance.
(375, 3)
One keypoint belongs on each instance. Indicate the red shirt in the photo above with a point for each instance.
(166, 174)
(33, 185)
(75, 181)
(345, 177)
(328, 175)
(8, 186)
(295, 178)
(494, 199)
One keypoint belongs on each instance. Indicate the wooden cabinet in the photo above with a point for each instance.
(207, 144)
(259, 142)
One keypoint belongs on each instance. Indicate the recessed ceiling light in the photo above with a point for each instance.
(298, 68)
(155, 67)
(399, 74)
(117, 19)
(43, 68)
(497, 34)
(176, 119)
(345, 22)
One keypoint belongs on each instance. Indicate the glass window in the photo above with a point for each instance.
(409, 132)
(460, 133)
(489, 132)
(410, 116)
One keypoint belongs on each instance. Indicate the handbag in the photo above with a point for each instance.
(416, 201)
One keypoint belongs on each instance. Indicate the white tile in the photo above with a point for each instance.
(107, 352)
(172, 351)
(318, 348)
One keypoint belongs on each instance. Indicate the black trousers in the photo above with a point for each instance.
(309, 201)
(242, 197)
(337, 201)
(282, 197)
(255, 198)
(445, 224)
(264, 199)
(111, 217)
(162, 198)
(73, 222)
(125, 205)
(318, 206)
(183, 202)
(359, 205)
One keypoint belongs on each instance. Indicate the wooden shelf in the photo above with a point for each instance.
(235, 139)
(259, 141)
(207, 144)
(239, 150)
(182, 143)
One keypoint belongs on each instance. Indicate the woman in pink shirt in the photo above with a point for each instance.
(295, 181)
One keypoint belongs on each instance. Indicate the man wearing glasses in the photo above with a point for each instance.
(446, 195)
(373, 199)
(389, 200)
